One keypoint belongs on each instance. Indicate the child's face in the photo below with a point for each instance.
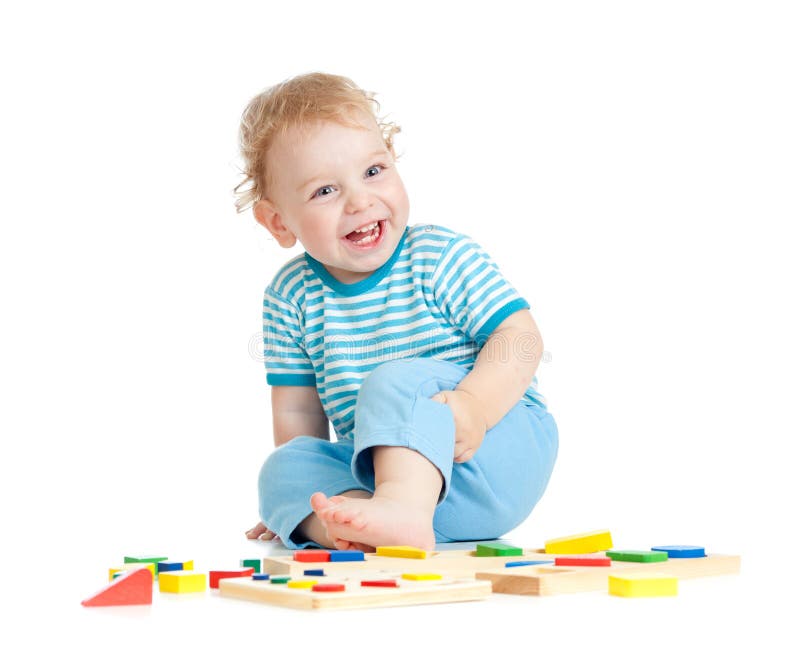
(330, 180)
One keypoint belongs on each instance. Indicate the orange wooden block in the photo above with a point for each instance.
(389, 582)
(328, 587)
(215, 576)
(311, 556)
(129, 589)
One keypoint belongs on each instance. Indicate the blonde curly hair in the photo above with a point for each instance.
(297, 101)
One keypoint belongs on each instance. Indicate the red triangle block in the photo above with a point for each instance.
(130, 589)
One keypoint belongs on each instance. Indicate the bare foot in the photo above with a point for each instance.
(364, 524)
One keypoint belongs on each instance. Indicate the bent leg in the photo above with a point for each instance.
(481, 499)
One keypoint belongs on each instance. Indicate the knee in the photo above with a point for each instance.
(386, 375)
(425, 375)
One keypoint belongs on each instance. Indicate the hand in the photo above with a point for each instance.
(260, 532)
(469, 421)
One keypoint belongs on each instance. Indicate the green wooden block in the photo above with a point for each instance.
(147, 560)
(278, 580)
(495, 550)
(637, 555)
(256, 564)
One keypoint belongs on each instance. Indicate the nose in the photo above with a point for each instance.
(358, 199)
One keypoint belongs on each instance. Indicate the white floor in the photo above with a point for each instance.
(710, 621)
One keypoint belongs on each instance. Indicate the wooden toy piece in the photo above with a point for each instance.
(566, 561)
(422, 576)
(682, 551)
(496, 550)
(642, 585)
(301, 584)
(254, 564)
(637, 555)
(260, 576)
(279, 580)
(166, 565)
(548, 580)
(351, 593)
(579, 544)
(214, 577)
(182, 582)
(390, 582)
(314, 572)
(527, 563)
(401, 551)
(138, 560)
(131, 566)
(328, 587)
(311, 556)
(130, 589)
(347, 556)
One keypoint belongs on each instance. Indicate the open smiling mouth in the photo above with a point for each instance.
(367, 236)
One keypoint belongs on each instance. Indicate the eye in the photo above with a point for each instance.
(374, 170)
(322, 191)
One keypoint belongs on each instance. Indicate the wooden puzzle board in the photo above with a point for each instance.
(536, 580)
(408, 592)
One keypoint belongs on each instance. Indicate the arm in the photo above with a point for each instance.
(296, 410)
(505, 366)
(502, 372)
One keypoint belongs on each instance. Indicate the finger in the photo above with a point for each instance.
(256, 532)
(440, 398)
(269, 535)
(464, 456)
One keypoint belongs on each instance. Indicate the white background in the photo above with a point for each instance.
(631, 166)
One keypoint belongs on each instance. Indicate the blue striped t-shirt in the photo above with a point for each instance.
(439, 295)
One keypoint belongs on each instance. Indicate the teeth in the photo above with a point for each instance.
(367, 227)
(368, 239)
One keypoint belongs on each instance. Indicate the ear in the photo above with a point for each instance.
(267, 216)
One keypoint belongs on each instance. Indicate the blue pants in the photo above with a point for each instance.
(482, 498)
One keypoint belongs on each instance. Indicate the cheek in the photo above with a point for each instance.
(398, 194)
(320, 228)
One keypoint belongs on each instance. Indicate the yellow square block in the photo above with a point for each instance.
(181, 581)
(642, 585)
(402, 551)
(301, 584)
(421, 576)
(579, 544)
(129, 566)
(188, 565)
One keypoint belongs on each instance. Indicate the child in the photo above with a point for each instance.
(406, 339)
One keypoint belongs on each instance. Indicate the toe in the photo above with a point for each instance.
(341, 515)
(319, 502)
(358, 522)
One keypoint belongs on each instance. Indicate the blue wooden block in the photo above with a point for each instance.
(677, 552)
(314, 572)
(527, 563)
(347, 556)
(169, 566)
(260, 576)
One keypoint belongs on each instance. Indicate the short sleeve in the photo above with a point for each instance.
(285, 358)
(471, 291)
